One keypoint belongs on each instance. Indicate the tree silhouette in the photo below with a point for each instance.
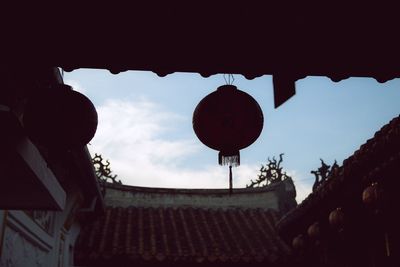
(270, 173)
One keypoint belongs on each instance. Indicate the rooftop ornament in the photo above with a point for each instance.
(323, 173)
(228, 120)
(270, 173)
(104, 172)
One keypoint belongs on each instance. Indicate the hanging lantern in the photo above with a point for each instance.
(314, 231)
(371, 196)
(228, 120)
(336, 219)
(298, 242)
(60, 118)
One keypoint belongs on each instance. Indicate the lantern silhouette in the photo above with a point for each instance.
(299, 243)
(337, 219)
(60, 118)
(372, 197)
(314, 231)
(228, 120)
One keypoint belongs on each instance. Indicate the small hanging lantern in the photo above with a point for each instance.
(228, 120)
(336, 219)
(314, 231)
(298, 242)
(60, 118)
(371, 196)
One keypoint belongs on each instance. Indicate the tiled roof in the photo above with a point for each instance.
(375, 161)
(181, 235)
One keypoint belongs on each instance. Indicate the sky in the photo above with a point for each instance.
(145, 125)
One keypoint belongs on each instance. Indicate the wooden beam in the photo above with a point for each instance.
(284, 88)
(26, 180)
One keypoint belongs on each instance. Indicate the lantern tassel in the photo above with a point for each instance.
(231, 159)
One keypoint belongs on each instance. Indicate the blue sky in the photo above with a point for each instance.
(145, 125)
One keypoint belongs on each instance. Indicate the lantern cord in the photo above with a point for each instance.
(230, 180)
(233, 78)
(230, 79)
(387, 244)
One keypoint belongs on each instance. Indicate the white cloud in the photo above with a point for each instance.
(132, 131)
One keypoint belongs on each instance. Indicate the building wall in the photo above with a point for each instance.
(39, 238)
(273, 197)
(116, 198)
(37, 178)
(24, 242)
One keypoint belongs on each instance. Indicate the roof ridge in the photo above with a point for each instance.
(223, 191)
(188, 207)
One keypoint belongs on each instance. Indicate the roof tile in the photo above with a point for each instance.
(181, 234)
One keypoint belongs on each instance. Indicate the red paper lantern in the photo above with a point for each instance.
(298, 243)
(371, 195)
(60, 118)
(314, 231)
(336, 219)
(228, 120)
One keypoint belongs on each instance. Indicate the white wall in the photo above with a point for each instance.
(213, 198)
(29, 242)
